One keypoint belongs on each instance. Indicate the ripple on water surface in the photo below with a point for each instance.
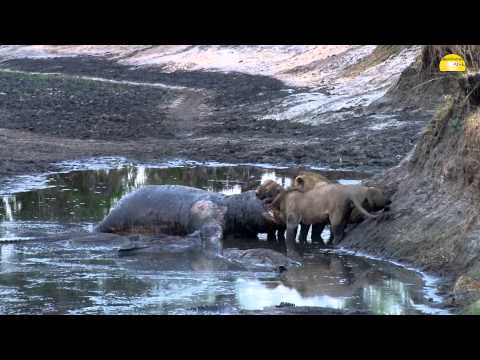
(58, 278)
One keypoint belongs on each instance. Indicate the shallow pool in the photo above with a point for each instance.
(63, 278)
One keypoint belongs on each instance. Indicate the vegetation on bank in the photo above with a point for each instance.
(448, 155)
(435, 218)
(433, 54)
(379, 55)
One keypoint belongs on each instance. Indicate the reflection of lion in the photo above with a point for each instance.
(348, 277)
(327, 276)
(332, 276)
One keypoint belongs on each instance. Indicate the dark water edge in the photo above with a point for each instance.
(62, 278)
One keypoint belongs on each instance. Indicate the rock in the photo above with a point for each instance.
(466, 285)
(285, 304)
(466, 292)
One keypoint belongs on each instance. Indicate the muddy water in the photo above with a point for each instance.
(63, 278)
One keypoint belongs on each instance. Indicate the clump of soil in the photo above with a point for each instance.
(434, 221)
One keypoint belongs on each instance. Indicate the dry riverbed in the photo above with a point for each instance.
(71, 108)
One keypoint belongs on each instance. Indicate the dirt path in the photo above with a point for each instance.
(94, 78)
(72, 108)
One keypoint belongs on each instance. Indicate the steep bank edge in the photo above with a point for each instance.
(434, 222)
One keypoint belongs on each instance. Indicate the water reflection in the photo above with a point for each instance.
(339, 282)
(88, 196)
(58, 278)
(8, 213)
(40, 283)
(256, 295)
(8, 257)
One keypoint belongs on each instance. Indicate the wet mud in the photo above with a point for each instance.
(205, 116)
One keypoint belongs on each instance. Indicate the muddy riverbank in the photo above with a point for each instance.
(434, 220)
(147, 114)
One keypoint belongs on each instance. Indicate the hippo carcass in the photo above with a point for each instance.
(182, 210)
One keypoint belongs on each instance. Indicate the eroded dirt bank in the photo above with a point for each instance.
(434, 221)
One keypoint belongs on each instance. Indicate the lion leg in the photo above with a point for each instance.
(338, 223)
(302, 238)
(271, 236)
(317, 230)
(292, 226)
(330, 238)
(281, 235)
(338, 233)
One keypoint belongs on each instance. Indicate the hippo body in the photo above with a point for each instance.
(161, 209)
(182, 210)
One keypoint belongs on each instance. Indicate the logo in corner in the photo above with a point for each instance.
(452, 62)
